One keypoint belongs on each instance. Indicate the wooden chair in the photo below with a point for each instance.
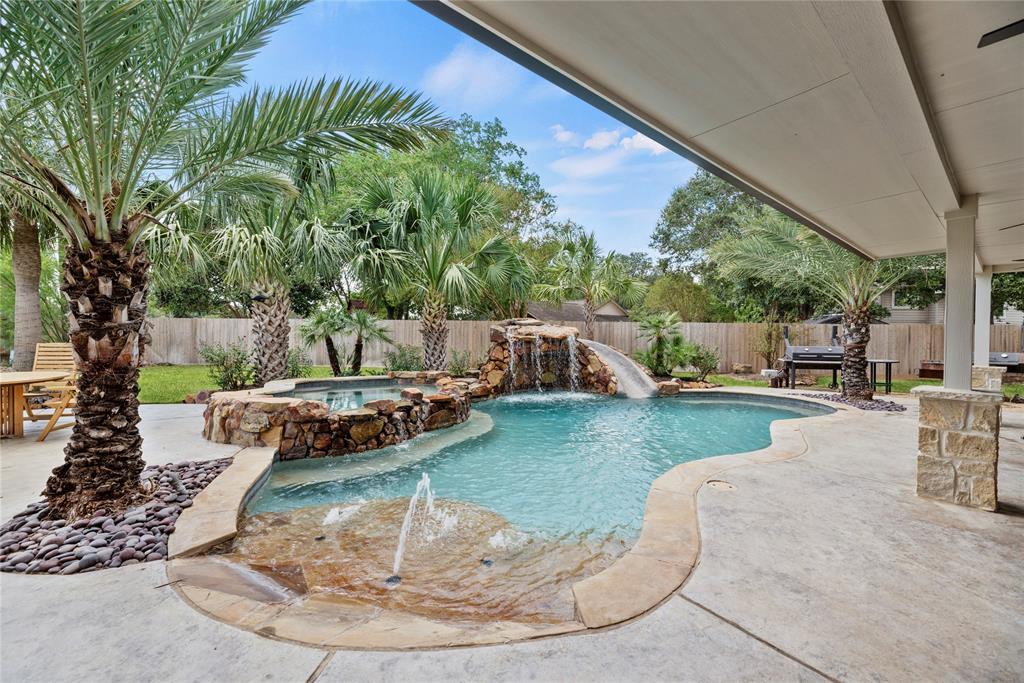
(56, 356)
(61, 402)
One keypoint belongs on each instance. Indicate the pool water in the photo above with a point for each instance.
(356, 395)
(552, 493)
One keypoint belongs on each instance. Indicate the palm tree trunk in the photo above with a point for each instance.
(357, 356)
(332, 356)
(26, 266)
(270, 332)
(434, 328)
(106, 286)
(856, 334)
(590, 315)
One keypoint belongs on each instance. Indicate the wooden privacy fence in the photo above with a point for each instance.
(177, 340)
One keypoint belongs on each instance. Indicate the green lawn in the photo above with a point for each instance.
(899, 386)
(171, 383)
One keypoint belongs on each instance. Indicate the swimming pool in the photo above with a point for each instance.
(552, 493)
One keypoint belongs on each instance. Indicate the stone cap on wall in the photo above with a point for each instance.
(947, 394)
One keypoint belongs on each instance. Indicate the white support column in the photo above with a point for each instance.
(959, 328)
(982, 314)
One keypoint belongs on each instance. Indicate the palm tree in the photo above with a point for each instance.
(128, 93)
(579, 270)
(366, 328)
(776, 249)
(266, 242)
(663, 342)
(323, 325)
(445, 226)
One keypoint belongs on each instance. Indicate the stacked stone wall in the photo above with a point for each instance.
(307, 429)
(555, 373)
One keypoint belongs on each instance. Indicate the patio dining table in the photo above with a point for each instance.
(12, 398)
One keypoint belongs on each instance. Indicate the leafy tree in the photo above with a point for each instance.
(46, 301)
(475, 149)
(776, 249)
(640, 266)
(697, 216)
(132, 95)
(688, 300)
(1007, 290)
(579, 270)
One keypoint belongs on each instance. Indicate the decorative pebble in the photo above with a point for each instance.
(102, 539)
(876, 404)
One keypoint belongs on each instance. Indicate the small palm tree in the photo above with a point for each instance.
(659, 330)
(776, 249)
(580, 271)
(366, 328)
(323, 325)
(444, 225)
(125, 94)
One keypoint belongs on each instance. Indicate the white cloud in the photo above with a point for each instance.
(472, 76)
(642, 142)
(602, 139)
(589, 165)
(563, 135)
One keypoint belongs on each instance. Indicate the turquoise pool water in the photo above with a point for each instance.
(554, 464)
(341, 397)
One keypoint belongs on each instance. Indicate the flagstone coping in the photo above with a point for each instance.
(653, 570)
(213, 516)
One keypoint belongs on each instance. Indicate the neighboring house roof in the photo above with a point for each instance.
(573, 310)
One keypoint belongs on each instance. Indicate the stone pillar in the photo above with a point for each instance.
(958, 446)
(988, 379)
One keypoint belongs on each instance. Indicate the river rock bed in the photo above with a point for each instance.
(32, 545)
(875, 404)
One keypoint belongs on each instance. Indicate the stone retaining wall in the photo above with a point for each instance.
(307, 429)
(594, 375)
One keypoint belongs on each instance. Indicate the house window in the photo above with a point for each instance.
(901, 299)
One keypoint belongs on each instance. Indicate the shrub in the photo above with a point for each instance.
(768, 343)
(231, 366)
(460, 363)
(403, 358)
(704, 360)
(299, 364)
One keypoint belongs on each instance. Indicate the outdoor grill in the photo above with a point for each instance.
(812, 358)
(1013, 362)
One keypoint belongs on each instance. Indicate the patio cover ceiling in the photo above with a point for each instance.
(867, 121)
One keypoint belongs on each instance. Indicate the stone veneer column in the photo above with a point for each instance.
(958, 446)
(988, 379)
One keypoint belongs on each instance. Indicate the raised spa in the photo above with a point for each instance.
(547, 491)
(352, 394)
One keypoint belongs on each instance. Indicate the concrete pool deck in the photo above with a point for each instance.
(823, 566)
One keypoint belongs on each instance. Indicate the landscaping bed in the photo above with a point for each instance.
(30, 544)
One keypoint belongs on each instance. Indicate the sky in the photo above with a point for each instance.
(604, 175)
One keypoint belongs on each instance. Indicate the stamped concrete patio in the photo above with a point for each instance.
(824, 566)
